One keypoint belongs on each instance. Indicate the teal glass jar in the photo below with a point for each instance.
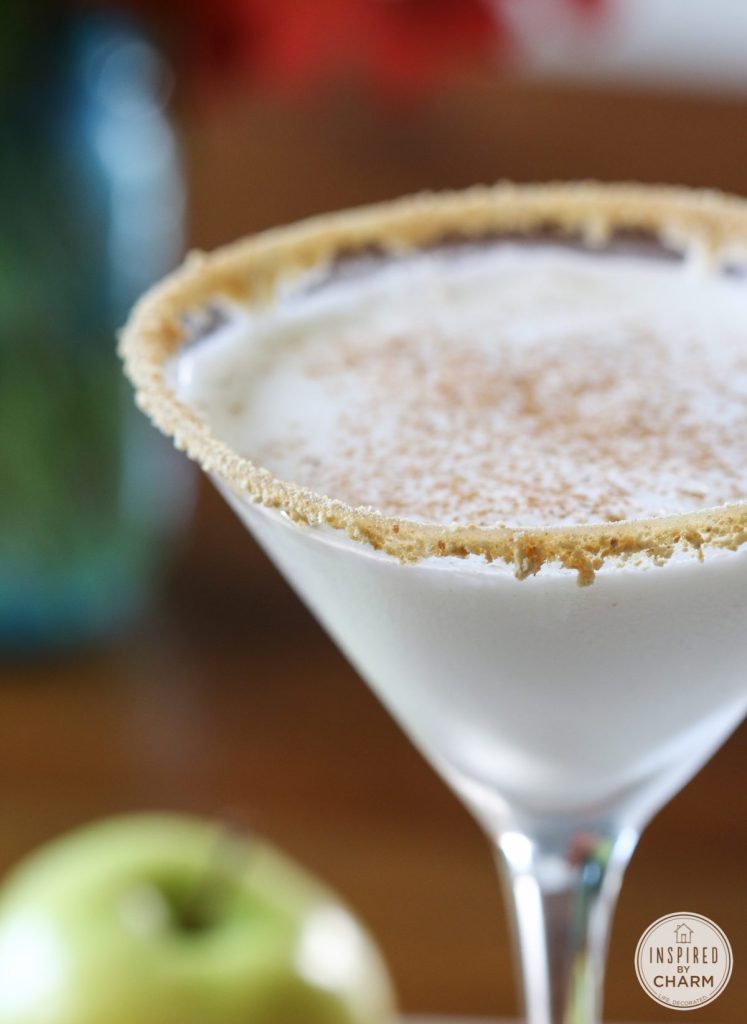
(91, 212)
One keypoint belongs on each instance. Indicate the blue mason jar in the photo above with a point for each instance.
(91, 212)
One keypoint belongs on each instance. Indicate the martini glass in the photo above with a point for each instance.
(560, 681)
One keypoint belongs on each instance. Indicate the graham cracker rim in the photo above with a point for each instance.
(249, 271)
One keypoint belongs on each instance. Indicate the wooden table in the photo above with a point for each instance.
(229, 699)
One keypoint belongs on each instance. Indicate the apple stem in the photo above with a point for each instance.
(213, 888)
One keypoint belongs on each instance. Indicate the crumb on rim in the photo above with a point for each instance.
(709, 224)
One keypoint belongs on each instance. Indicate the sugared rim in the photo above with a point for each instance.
(248, 271)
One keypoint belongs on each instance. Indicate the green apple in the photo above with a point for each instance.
(161, 919)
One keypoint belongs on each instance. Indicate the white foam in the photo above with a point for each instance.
(520, 385)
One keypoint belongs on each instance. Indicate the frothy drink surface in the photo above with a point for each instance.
(517, 385)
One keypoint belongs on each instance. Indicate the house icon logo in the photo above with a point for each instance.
(692, 971)
(683, 935)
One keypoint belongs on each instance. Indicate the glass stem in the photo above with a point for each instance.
(563, 885)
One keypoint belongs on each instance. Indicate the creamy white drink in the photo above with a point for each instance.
(497, 441)
(518, 386)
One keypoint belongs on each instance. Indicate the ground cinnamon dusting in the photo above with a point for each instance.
(533, 442)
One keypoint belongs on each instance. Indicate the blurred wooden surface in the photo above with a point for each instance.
(230, 700)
